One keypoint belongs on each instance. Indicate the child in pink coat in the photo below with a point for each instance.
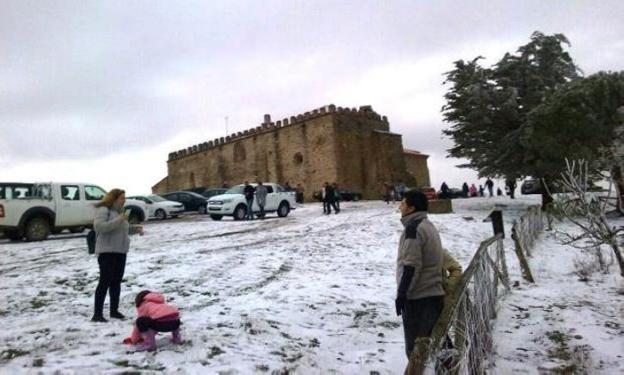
(153, 315)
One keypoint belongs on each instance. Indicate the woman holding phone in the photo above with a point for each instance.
(111, 246)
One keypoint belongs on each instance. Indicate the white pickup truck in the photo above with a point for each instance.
(233, 203)
(34, 210)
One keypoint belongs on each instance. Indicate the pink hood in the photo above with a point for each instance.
(154, 307)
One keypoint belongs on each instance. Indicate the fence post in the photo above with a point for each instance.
(519, 249)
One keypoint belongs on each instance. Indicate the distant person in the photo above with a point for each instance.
(299, 193)
(481, 191)
(490, 186)
(153, 316)
(112, 244)
(389, 192)
(400, 190)
(473, 190)
(510, 185)
(261, 195)
(287, 186)
(249, 191)
(336, 197)
(445, 192)
(225, 185)
(329, 199)
(499, 192)
(420, 290)
(465, 190)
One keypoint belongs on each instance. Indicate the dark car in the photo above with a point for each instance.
(452, 194)
(191, 201)
(213, 192)
(345, 195)
(534, 186)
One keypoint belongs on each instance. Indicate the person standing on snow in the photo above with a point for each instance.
(111, 246)
(490, 186)
(420, 291)
(249, 191)
(261, 194)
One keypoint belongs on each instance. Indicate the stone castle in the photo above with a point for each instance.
(353, 147)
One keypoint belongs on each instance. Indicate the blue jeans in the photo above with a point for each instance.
(249, 215)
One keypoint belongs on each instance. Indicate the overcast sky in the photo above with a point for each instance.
(102, 91)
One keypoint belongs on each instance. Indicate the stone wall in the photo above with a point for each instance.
(416, 165)
(352, 147)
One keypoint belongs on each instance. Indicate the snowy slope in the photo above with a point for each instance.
(309, 293)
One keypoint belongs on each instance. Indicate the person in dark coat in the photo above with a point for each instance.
(336, 197)
(249, 197)
(510, 185)
(481, 190)
(329, 198)
(465, 189)
(490, 186)
(299, 195)
(445, 192)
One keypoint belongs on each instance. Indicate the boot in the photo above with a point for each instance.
(149, 342)
(175, 337)
(117, 315)
(98, 318)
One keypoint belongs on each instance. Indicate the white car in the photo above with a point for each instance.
(159, 207)
(233, 202)
(34, 210)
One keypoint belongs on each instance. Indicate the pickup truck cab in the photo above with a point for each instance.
(34, 210)
(233, 202)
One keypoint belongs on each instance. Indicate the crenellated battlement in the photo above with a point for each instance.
(365, 111)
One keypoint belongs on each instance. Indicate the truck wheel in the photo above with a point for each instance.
(202, 210)
(160, 214)
(77, 229)
(134, 218)
(283, 210)
(240, 211)
(37, 229)
(216, 217)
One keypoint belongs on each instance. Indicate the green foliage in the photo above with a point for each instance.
(576, 122)
(487, 108)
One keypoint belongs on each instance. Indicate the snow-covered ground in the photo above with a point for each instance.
(309, 294)
(562, 324)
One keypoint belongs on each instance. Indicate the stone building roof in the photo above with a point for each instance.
(269, 126)
(414, 153)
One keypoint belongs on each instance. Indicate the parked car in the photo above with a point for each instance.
(209, 193)
(191, 201)
(159, 207)
(452, 194)
(34, 210)
(345, 195)
(233, 202)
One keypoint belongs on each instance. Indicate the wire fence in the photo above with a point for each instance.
(524, 232)
(461, 341)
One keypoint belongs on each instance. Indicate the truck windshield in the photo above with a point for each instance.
(238, 189)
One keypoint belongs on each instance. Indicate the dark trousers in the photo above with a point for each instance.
(249, 214)
(112, 267)
(419, 318)
(144, 324)
(328, 204)
(261, 210)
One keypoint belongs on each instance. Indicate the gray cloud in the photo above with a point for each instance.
(88, 79)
